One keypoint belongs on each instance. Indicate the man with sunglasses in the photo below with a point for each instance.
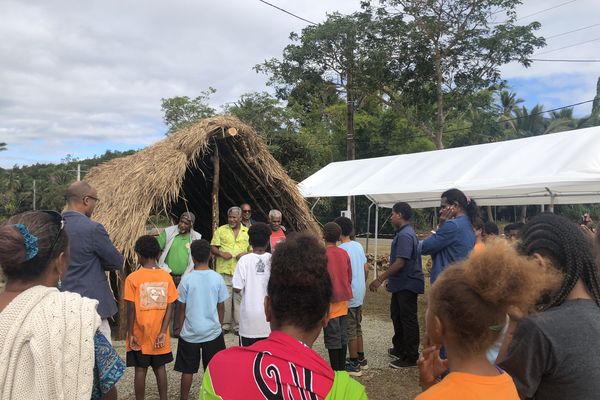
(247, 219)
(92, 252)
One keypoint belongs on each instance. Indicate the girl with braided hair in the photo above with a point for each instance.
(554, 354)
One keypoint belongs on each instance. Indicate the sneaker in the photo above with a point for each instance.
(402, 363)
(353, 369)
(364, 364)
(393, 355)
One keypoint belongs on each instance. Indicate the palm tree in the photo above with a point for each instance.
(507, 107)
(2, 146)
(562, 120)
(529, 123)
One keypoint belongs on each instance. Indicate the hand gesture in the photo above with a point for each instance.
(375, 285)
(160, 341)
(430, 366)
(447, 213)
(225, 255)
(133, 343)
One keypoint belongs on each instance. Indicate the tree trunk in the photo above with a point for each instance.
(523, 213)
(490, 215)
(439, 144)
(215, 188)
(350, 148)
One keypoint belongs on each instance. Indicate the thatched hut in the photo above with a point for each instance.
(204, 168)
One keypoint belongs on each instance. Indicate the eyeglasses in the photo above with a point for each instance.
(97, 200)
(58, 220)
(246, 211)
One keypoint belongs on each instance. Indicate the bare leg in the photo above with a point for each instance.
(353, 348)
(161, 381)
(139, 382)
(359, 344)
(186, 385)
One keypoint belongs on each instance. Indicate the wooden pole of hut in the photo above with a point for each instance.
(215, 188)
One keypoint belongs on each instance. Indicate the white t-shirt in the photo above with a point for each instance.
(252, 276)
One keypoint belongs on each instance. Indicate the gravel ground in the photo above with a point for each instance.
(381, 381)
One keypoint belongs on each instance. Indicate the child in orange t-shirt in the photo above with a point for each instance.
(150, 293)
(466, 313)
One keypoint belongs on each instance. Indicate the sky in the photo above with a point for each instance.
(81, 77)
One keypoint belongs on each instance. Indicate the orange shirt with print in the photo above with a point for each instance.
(151, 290)
(463, 386)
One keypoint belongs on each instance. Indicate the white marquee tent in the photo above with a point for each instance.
(559, 168)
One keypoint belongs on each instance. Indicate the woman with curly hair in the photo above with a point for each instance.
(284, 365)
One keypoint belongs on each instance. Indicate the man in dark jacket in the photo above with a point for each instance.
(92, 253)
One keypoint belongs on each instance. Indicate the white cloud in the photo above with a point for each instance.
(93, 73)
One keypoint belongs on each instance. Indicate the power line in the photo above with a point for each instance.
(566, 60)
(574, 30)
(287, 12)
(535, 13)
(546, 9)
(567, 47)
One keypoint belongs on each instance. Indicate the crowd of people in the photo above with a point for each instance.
(507, 317)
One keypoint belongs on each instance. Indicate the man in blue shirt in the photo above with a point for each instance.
(405, 281)
(92, 253)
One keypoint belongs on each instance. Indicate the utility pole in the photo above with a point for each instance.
(78, 171)
(34, 195)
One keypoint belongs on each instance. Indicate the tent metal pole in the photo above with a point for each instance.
(552, 196)
(376, 237)
(315, 204)
(369, 226)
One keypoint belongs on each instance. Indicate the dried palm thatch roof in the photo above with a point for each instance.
(176, 174)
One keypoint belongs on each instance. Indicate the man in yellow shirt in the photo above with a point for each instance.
(228, 244)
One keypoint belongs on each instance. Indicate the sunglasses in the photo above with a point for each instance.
(246, 211)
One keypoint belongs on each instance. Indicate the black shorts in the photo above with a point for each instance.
(188, 356)
(336, 333)
(138, 359)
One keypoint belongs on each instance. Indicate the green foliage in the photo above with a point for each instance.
(181, 110)
(16, 184)
(2, 146)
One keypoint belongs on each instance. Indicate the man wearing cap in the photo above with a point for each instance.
(176, 257)
(175, 243)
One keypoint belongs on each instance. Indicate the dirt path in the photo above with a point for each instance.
(381, 381)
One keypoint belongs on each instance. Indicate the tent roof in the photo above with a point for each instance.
(515, 172)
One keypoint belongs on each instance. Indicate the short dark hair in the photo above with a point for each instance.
(331, 232)
(490, 228)
(259, 234)
(299, 287)
(147, 246)
(403, 209)
(517, 226)
(345, 224)
(200, 250)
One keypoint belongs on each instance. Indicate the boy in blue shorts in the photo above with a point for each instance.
(202, 293)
